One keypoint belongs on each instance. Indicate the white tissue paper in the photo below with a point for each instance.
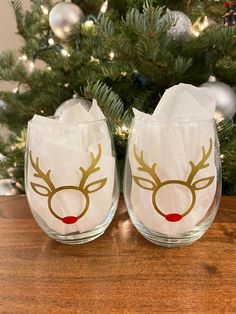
(68, 198)
(167, 197)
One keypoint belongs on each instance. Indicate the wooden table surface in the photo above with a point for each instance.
(120, 272)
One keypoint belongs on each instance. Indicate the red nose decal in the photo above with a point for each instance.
(69, 220)
(173, 217)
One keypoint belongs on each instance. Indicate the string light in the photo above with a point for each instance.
(195, 33)
(88, 26)
(104, 7)
(89, 23)
(199, 26)
(94, 60)
(44, 9)
(31, 65)
(23, 58)
(51, 41)
(123, 131)
(65, 53)
(205, 23)
(218, 117)
(111, 55)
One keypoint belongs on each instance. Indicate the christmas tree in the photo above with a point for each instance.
(123, 53)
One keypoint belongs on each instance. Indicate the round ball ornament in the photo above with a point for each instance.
(62, 18)
(10, 187)
(225, 98)
(70, 103)
(3, 105)
(181, 27)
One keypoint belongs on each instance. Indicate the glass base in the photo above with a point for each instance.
(170, 240)
(77, 237)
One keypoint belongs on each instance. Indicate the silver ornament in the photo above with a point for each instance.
(181, 27)
(5, 133)
(70, 103)
(225, 98)
(3, 105)
(10, 187)
(63, 17)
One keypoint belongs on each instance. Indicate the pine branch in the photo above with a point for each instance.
(225, 128)
(106, 27)
(19, 14)
(110, 102)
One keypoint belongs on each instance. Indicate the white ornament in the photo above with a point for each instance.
(63, 17)
(181, 27)
(225, 98)
(70, 103)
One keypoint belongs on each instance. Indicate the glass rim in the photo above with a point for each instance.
(164, 122)
(65, 124)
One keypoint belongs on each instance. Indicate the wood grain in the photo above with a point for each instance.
(120, 272)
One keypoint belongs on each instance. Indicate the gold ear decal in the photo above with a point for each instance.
(155, 184)
(95, 186)
(50, 191)
(144, 183)
(206, 182)
(40, 189)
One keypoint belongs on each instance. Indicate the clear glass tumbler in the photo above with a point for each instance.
(71, 179)
(172, 180)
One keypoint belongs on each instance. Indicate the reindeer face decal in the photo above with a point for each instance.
(155, 184)
(50, 191)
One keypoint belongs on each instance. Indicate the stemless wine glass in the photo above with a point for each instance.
(71, 178)
(172, 179)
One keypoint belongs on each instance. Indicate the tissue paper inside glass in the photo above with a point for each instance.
(71, 178)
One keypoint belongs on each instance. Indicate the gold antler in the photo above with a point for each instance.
(40, 174)
(92, 168)
(144, 167)
(202, 163)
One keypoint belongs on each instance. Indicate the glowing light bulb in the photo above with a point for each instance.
(199, 26)
(89, 23)
(206, 22)
(94, 60)
(196, 33)
(44, 9)
(51, 41)
(23, 58)
(104, 7)
(65, 53)
(111, 55)
(89, 26)
(123, 130)
(32, 65)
